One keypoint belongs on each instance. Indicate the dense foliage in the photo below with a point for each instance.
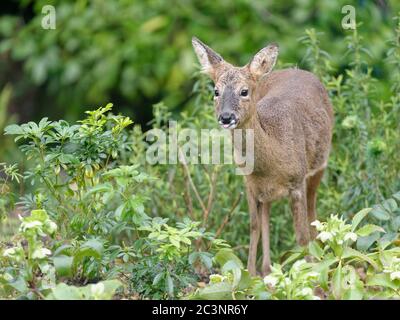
(84, 216)
(136, 53)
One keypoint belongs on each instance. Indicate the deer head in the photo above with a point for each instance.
(235, 87)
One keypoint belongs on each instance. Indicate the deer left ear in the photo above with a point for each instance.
(210, 60)
(264, 61)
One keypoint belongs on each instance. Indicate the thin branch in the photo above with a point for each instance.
(188, 198)
(214, 176)
(229, 215)
(191, 181)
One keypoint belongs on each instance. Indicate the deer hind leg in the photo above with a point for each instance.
(299, 210)
(266, 262)
(254, 234)
(312, 186)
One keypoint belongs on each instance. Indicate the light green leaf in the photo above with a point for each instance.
(169, 285)
(226, 254)
(315, 250)
(13, 129)
(91, 248)
(364, 243)
(379, 213)
(390, 205)
(382, 280)
(368, 229)
(216, 291)
(63, 265)
(65, 292)
(358, 217)
(337, 286)
(351, 253)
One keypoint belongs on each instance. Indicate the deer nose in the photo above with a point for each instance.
(227, 118)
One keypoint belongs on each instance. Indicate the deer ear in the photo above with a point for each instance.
(210, 60)
(264, 61)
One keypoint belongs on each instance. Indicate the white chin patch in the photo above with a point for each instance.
(231, 125)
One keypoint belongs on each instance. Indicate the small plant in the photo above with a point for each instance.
(8, 174)
(336, 269)
(26, 267)
(166, 258)
(80, 181)
(296, 284)
(103, 290)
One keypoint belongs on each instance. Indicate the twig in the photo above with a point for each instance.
(188, 198)
(228, 216)
(191, 181)
(214, 176)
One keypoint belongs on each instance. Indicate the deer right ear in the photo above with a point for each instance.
(210, 60)
(264, 61)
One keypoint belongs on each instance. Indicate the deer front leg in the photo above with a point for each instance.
(266, 262)
(254, 234)
(299, 210)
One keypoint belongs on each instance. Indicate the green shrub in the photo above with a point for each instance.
(87, 220)
(337, 270)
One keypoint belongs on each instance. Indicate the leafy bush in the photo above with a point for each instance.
(103, 290)
(336, 269)
(144, 48)
(92, 181)
(87, 219)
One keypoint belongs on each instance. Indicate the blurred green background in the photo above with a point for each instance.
(137, 53)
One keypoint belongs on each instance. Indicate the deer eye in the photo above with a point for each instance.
(216, 93)
(244, 92)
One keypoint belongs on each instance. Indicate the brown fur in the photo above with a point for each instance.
(292, 117)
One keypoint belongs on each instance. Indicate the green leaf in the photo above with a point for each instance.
(364, 243)
(65, 292)
(390, 205)
(136, 203)
(169, 285)
(368, 229)
(324, 277)
(91, 248)
(100, 188)
(216, 291)
(158, 278)
(205, 258)
(355, 293)
(351, 253)
(110, 286)
(19, 284)
(226, 254)
(233, 267)
(61, 249)
(245, 280)
(39, 215)
(119, 211)
(396, 223)
(358, 217)
(315, 250)
(13, 129)
(63, 265)
(175, 241)
(382, 280)
(337, 287)
(379, 213)
(397, 196)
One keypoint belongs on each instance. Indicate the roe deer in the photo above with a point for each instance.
(292, 118)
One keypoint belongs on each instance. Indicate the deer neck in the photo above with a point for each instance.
(264, 153)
